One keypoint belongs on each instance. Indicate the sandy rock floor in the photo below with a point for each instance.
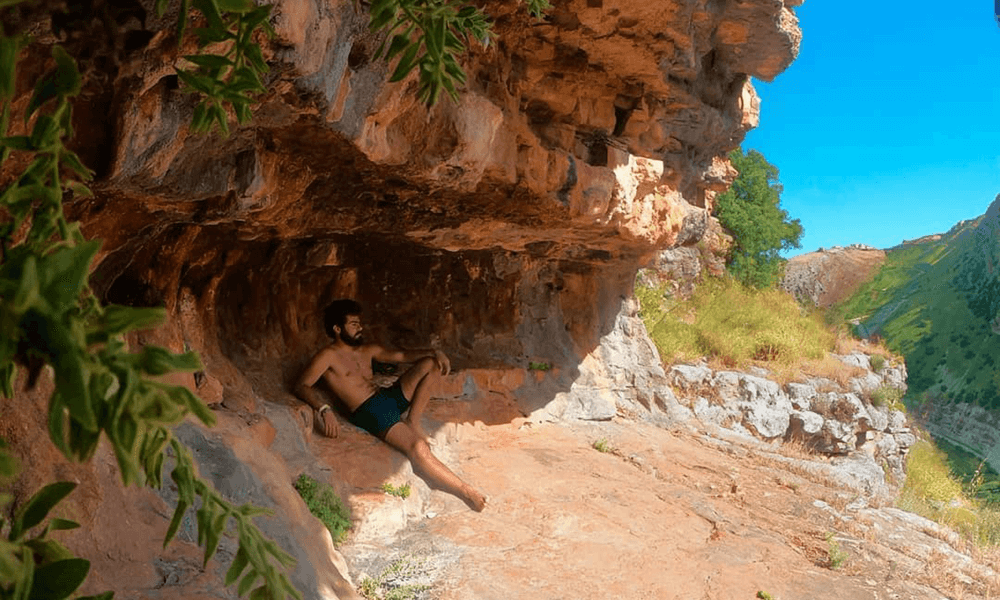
(662, 515)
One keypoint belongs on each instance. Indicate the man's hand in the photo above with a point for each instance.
(442, 362)
(328, 424)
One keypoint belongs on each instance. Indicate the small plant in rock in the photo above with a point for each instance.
(402, 491)
(886, 395)
(395, 582)
(539, 366)
(835, 554)
(603, 445)
(878, 362)
(764, 595)
(325, 505)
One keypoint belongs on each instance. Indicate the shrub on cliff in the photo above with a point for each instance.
(751, 211)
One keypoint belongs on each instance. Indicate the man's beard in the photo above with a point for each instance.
(356, 340)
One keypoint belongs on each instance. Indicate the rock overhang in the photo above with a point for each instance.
(582, 144)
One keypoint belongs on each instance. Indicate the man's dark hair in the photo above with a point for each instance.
(336, 313)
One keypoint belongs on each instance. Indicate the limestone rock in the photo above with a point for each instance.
(829, 276)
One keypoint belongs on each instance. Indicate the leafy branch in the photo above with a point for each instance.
(232, 75)
(429, 35)
(100, 387)
(39, 567)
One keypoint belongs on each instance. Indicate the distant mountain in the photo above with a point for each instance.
(936, 301)
(831, 275)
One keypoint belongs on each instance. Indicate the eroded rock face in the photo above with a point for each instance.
(832, 418)
(505, 228)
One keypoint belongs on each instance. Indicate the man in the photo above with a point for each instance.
(346, 366)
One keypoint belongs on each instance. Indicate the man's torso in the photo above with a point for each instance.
(349, 374)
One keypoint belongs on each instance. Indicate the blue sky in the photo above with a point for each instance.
(887, 126)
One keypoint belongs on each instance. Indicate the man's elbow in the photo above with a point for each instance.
(302, 390)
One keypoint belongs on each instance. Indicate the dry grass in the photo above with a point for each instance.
(733, 325)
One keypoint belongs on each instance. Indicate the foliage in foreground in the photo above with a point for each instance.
(50, 316)
(751, 211)
(730, 322)
(325, 505)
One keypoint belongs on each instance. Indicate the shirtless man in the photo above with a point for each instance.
(346, 366)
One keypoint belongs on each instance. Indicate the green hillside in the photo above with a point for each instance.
(937, 302)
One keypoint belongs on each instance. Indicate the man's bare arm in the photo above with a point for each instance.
(407, 356)
(305, 392)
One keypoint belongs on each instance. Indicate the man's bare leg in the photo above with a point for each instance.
(416, 384)
(403, 438)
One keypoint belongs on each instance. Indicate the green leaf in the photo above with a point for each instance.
(381, 15)
(58, 524)
(17, 142)
(58, 580)
(155, 360)
(27, 290)
(175, 522)
(249, 510)
(183, 396)
(9, 47)
(210, 61)
(48, 550)
(236, 6)
(257, 17)
(71, 160)
(262, 593)
(216, 526)
(399, 42)
(45, 90)
(67, 77)
(8, 465)
(8, 374)
(121, 319)
(82, 441)
(57, 423)
(221, 118)
(45, 134)
(200, 121)
(247, 582)
(256, 58)
(210, 9)
(182, 20)
(161, 7)
(236, 569)
(38, 507)
(405, 64)
(66, 272)
(208, 36)
(79, 190)
(72, 376)
(201, 83)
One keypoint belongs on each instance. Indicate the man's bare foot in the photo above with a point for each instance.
(475, 500)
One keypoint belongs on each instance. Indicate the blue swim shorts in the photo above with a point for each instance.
(381, 411)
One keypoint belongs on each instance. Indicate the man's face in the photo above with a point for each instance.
(350, 334)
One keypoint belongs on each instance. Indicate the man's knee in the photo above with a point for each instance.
(419, 449)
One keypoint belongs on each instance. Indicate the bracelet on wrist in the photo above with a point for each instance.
(322, 409)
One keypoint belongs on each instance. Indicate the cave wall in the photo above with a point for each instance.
(505, 227)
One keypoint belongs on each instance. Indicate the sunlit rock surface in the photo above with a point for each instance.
(505, 228)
